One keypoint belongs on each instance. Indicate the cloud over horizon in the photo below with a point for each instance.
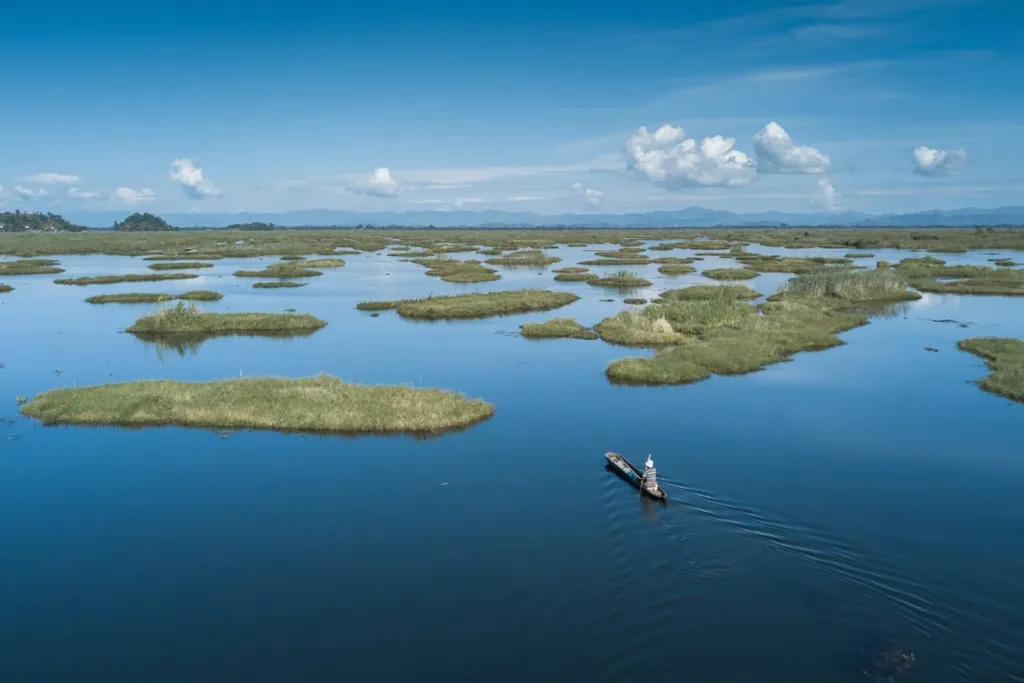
(591, 196)
(666, 158)
(777, 152)
(380, 184)
(133, 196)
(51, 179)
(190, 177)
(938, 163)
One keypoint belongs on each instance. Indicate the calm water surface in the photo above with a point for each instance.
(851, 502)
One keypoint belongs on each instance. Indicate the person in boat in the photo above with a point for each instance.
(650, 477)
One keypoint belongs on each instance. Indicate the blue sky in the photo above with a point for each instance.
(883, 105)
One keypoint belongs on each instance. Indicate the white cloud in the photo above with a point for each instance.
(665, 158)
(523, 198)
(380, 184)
(466, 201)
(191, 179)
(51, 179)
(828, 196)
(936, 163)
(779, 153)
(86, 195)
(27, 192)
(590, 195)
(132, 196)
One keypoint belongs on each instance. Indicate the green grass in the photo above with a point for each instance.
(323, 263)
(729, 274)
(1005, 360)
(622, 279)
(294, 257)
(30, 267)
(575, 277)
(146, 298)
(279, 284)
(638, 328)
(180, 265)
(786, 264)
(556, 328)
(284, 270)
(734, 292)
(925, 274)
(621, 254)
(182, 319)
(674, 260)
(179, 257)
(321, 404)
(571, 269)
(454, 270)
(634, 301)
(1004, 262)
(528, 257)
(475, 305)
(118, 279)
(854, 254)
(5, 288)
(837, 282)
(637, 261)
(676, 269)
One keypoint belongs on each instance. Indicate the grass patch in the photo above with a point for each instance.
(454, 270)
(729, 274)
(674, 260)
(575, 277)
(633, 261)
(284, 270)
(853, 255)
(475, 305)
(30, 267)
(323, 263)
(279, 284)
(1004, 262)
(676, 269)
(572, 269)
(928, 274)
(556, 328)
(146, 298)
(316, 404)
(786, 264)
(878, 285)
(118, 279)
(527, 257)
(634, 301)
(178, 257)
(1005, 360)
(182, 319)
(293, 257)
(734, 292)
(5, 288)
(180, 265)
(622, 279)
(644, 327)
(621, 254)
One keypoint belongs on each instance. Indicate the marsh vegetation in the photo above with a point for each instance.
(148, 298)
(474, 305)
(556, 328)
(454, 270)
(30, 267)
(1005, 360)
(314, 404)
(729, 274)
(187, 319)
(279, 284)
(179, 265)
(118, 279)
(621, 279)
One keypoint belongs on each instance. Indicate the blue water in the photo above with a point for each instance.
(821, 511)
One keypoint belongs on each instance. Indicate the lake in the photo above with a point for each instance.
(854, 503)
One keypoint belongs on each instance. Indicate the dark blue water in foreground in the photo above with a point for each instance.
(851, 502)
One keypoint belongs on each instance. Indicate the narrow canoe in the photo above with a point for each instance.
(630, 473)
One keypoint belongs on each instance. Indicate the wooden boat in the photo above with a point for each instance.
(625, 469)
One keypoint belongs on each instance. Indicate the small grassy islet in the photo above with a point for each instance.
(30, 267)
(1005, 360)
(622, 279)
(729, 274)
(118, 279)
(556, 328)
(182, 319)
(454, 270)
(179, 265)
(147, 298)
(462, 306)
(279, 284)
(528, 257)
(320, 404)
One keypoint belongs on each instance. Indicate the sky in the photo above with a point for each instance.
(747, 105)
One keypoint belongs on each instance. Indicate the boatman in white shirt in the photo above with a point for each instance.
(650, 481)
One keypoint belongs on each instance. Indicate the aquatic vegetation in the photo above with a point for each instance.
(5, 288)
(729, 274)
(182, 319)
(735, 292)
(284, 270)
(575, 277)
(454, 270)
(635, 261)
(1004, 262)
(749, 343)
(876, 285)
(279, 284)
(1005, 360)
(30, 267)
(621, 254)
(118, 279)
(634, 301)
(475, 305)
(528, 257)
(556, 328)
(314, 404)
(180, 265)
(786, 264)
(854, 254)
(293, 257)
(146, 298)
(676, 269)
(933, 275)
(186, 256)
(638, 328)
(323, 263)
(571, 269)
(622, 279)
(674, 260)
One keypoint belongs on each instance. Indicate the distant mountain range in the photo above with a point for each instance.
(690, 217)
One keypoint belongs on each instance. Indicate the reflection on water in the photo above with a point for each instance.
(188, 344)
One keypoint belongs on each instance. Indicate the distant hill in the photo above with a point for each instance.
(142, 222)
(16, 221)
(690, 217)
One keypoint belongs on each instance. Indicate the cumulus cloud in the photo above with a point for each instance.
(51, 179)
(665, 158)
(191, 179)
(27, 192)
(132, 196)
(380, 184)
(523, 198)
(779, 153)
(937, 163)
(86, 195)
(828, 196)
(590, 195)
